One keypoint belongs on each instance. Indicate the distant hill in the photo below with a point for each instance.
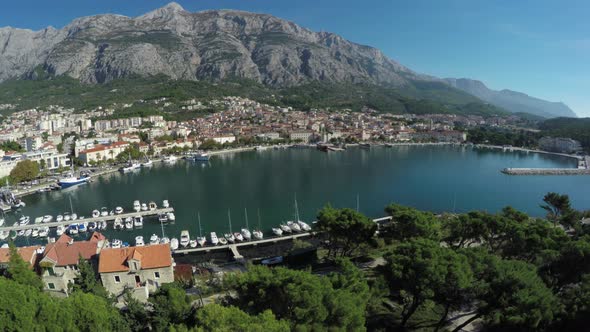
(575, 128)
(515, 102)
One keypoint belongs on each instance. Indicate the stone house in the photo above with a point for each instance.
(28, 254)
(59, 262)
(140, 269)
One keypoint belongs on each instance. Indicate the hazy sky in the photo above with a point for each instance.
(539, 47)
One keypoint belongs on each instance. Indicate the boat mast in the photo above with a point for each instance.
(246, 213)
(229, 218)
(296, 209)
(200, 229)
(357, 203)
(258, 212)
(71, 207)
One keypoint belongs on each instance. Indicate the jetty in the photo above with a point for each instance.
(109, 218)
(546, 171)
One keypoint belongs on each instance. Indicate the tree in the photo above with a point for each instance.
(556, 206)
(576, 302)
(214, 317)
(21, 271)
(86, 280)
(135, 314)
(410, 223)
(209, 144)
(347, 230)
(171, 305)
(93, 313)
(570, 265)
(25, 170)
(421, 270)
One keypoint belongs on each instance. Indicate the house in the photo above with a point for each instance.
(103, 152)
(28, 254)
(139, 269)
(59, 262)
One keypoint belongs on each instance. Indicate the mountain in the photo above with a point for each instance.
(516, 102)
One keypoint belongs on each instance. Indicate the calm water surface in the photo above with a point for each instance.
(427, 177)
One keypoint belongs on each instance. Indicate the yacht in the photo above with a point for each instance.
(21, 232)
(4, 235)
(73, 229)
(245, 232)
(95, 213)
(184, 238)
(70, 180)
(102, 224)
(92, 226)
(294, 226)
(38, 220)
(136, 206)
(170, 159)
(201, 240)
(163, 217)
(229, 237)
(67, 216)
(138, 221)
(118, 224)
(277, 231)
(24, 220)
(59, 218)
(60, 230)
(257, 234)
(35, 232)
(304, 226)
(74, 216)
(202, 157)
(154, 239)
(144, 207)
(222, 241)
(214, 239)
(130, 166)
(44, 231)
(139, 241)
(116, 244)
(165, 204)
(129, 223)
(152, 206)
(147, 163)
(118, 210)
(28, 232)
(104, 212)
(238, 236)
(285, 228)
(164, 240)
(193, 243)
(46, 219)
(174, 243)
(82, 227)
(171, 216)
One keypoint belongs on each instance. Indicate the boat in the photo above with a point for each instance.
(4, 235)
(285, 228)
(272, 260)
(202, 157)
(245, 232)
(1, 221)
(28, 232)
(294, 226)
(95, 213)
(130, 166)
(152, 206)
(59, 218)
(138, 221)
(214, 239)
(92, 226)
(44, 231)
(67, 216)
(24, 220)
(257, 233)
(144, 207)
(201, 240)
(104, 212)
(73, 229)
(60, 230)
(174, 243)
(82, 227)
(70, 180)
(229, 236)
(222, 241)
(277, 231)
(46, 219)
(148, 163)
(38, 220)
(118, 210)
(74, 216)
(238, 236)
(116, 244)
(129, 223)
(365, 145)
(165, 204)
(21, 232)
(304, 226)
(102, 224)
(118, 224)
(184, 238)
(170, 159)
(163, 217)
(136, 206)
(154, 239)
(139, 241)
(164, 240)
(34, 232)
(193, 243)
(171, 216)
(261, 148)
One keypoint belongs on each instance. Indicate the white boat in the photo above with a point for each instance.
(67, 216)
(4, 235)
(277, 231)
(304, 226)
(144, 207)
(74, 216)
(43, 232)
(38, 220)
(46, 219)
(238, 236)
(28, 232)
(118, 224)
(138, 221)
(165, 204)
(193, 243)
(1, 221)
(21, 232)
(147, 163)
(60, 230)
(170, 159)
(70, 180)
(130, 166)
(104, 212)
(136, 206)
(171, 216)
(163, 217)
(59, 218)
(82, 227)
(229, 237)
(164, 240)
(285, 228)
(184, 238)
(222, 241)
(118, 210)
(73, 229)
(92, 226)
(294, 226)
(174, 243)
(95, 213)
(201, 240)
(34, 232)
(152, 206)
(116, 244)
(154, 239)
(246, 234)
(139, 241)
(202, 157)
(129, 223)
(102, 224)
(214, 239)
(24, 220)
(257, 234)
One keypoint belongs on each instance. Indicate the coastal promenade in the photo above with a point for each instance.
(109, 218)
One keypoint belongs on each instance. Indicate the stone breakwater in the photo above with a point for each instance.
(546, 171)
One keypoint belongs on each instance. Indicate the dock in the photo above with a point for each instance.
(109, 218)
(546, 171)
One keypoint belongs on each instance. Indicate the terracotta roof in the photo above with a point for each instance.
(150, 257)
(101, 147)
(64, 253)
(28, 254)
(96, 237)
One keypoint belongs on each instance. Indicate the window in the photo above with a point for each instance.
(51, 285)
(117, 279)
(51, 271)
(157, 275)
(135, 266)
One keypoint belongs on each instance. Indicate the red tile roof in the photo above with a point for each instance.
(66, 252)
(28, 254)
(150, 257)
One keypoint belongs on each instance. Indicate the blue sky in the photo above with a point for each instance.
(539, 47)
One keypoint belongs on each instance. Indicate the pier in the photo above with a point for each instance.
(108, 218)
(546, 171)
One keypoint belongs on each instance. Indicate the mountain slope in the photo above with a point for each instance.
(513, 101)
